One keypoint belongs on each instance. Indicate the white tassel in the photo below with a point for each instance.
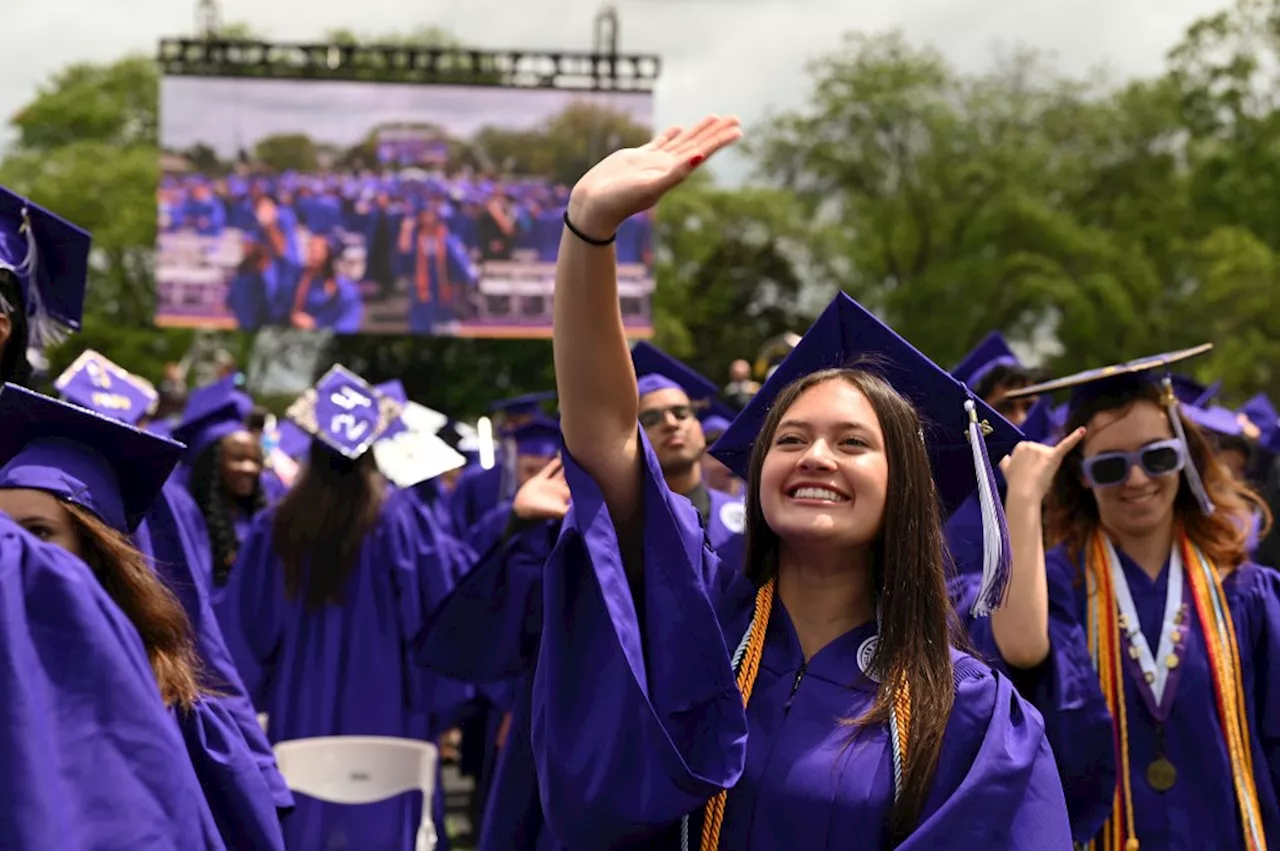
(1193, 475)
(995, 556)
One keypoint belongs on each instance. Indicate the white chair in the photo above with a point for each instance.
(362, 770)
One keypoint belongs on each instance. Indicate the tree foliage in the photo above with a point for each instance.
(1098, 221)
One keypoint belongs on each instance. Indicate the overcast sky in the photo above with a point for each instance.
(743, 56)
(227, 114)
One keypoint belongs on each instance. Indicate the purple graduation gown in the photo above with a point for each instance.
(173, 536)
(487, 632)
(1199, 813)
(92, 760)
(344, 669)
(662, 727)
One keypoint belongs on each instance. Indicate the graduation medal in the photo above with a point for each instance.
(1161, 774)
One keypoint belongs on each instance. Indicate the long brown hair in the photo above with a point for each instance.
(321, 524)
(917, 624)
(1071, 511)
(151, 607)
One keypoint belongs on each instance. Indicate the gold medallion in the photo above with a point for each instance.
(1161, 775)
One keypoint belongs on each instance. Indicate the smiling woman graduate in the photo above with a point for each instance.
(1146, 610)
(845, 719)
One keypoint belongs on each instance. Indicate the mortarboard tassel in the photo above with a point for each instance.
(1193, 475)
(43, 330)
(997, 563)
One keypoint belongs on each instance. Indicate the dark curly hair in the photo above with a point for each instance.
(216, 504)
(14, 367)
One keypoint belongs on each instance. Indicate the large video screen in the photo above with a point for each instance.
(381, 208)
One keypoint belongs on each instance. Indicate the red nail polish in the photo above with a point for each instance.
(696, 161)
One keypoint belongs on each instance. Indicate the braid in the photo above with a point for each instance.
(216, 505)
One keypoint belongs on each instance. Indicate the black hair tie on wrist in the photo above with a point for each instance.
(589, 240)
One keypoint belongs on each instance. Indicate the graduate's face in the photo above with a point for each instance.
(43, 515)
(528, 466)
(241, 464)
(1142, 503)
(667, 418)
(318, 251)
(826, 474)
(1013, 410)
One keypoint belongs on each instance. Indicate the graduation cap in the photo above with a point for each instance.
(100, 464)
(1123, 381)
(1263, 414)
(656, 370)
(540, 437)
(213, 412)
(993, 352)
(1214, 419)
(94, 382)
(1192, 392)
(50, 258)
(530, 404)
(716, 418)
(344, 412)
(958, 430)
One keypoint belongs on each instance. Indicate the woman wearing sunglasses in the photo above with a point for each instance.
(1145, 610)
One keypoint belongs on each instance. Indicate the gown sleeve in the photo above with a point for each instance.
(633, 724)
(254, 611)
(487, 629)
(91, 758)
(237, 793)
(423, 561)
(1065, 690)
(996, 784)
(178, 559)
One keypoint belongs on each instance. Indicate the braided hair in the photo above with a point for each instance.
(216, 503)
(14, 367)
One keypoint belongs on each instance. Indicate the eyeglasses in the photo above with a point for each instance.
(1108, 469)
(651, 417)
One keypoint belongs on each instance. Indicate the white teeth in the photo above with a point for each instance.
(818, 493)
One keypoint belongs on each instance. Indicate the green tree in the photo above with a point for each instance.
(729, 273)
(287, 151)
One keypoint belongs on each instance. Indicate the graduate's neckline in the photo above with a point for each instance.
(837, 660)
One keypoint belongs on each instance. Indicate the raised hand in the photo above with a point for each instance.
(633, 179)
(545, 496)
(1030, 468)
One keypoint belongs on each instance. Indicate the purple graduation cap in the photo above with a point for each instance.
(1214, 419)
(50, 258)
(1192, 392)
(656, 370)
(212, 413)
(539, 437)
(94, 382)
(957, 428)
(716, 418)
(344, 412)
(100, 464)
(993, 352)
(1263, 414)
(1122, 381)
(528, 405)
